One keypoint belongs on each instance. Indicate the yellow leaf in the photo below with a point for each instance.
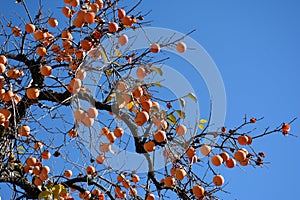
(201, 126)
(57, 189)
(110, 97)
(21, 148)
(108, 72)
(181, 102)
(157, 70)
(118, 53)
(46, 195)
(130, 105)
(181, 114)
(157, 84)
(203, 121)
(171, 119)
(192, 96)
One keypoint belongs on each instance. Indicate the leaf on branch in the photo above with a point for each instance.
(110, 97)
(46, 195)
(203, 121)
(20, 149)
(171, 119)
(157, 70)
(115, 63)
(118, 53)
(57, 189)
(181, 114)
(157, 84)
(182, 102)
(192, 96)
(201, 126)
(108, 72)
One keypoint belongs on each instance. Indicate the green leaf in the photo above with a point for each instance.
(192, 96)
(46, 195)
(201, 126)
(181, 114)
(181, 102)
(157, 84)
(171, 119)
(203, 121)
(157, 70)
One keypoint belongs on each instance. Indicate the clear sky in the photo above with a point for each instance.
(256, 46)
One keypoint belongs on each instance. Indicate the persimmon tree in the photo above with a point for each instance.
(68, 99)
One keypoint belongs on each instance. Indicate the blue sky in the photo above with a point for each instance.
(256, 46)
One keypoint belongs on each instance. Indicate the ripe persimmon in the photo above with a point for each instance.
(127, 21)
(24, 130)
(29, 28)
(45, 170)
(160, 136)
(135, 178)
(205, 150)
(38, 145)
(230, 163)
(121, 13)
(74, 3)
(41, 51)
(95, 7)
(90, 170)
(3, 59)
(46, 70)
(87, 121)
(141, 118)
(32, 93)
(123, 39)
(155, 48)
(149, 146)
(141, 73)
(73, 133)
(169, 181)
(180, 173)
(46, 155)
(118, 132)
(285, 128)
(218, 180)
(150, 196)
(243, 140)
(100, 159)
(198, 191)
(86, 45)
(113, 27)
(53, 22)
(37, 181)
(216, 160)
(66, 11)
(31, 161)
(137, 92)
(68, 173)
(224, 156)
(181, 129)
(190, 152)
(252, 120)
(89, 17)
(240, 155)
(181, 47)
(92, 112)
(111, 137)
